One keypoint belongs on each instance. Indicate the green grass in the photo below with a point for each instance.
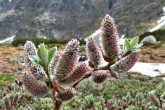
(5, 45)
(37, 41)
(6, 78)
(113, 90)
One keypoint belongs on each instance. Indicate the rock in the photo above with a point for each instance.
(17, 59)
(149, 40)
(65, 19)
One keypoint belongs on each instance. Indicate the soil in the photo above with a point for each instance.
(149, 54)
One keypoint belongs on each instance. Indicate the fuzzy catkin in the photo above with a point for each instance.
(99, 76)
(7, 102)
(30, 49)
(68, 60)
(125, 63)
(35, 87)
(76, 76)
(93, 51)
(109, 39)
(68, 94)
(154, 99)
(15, 99)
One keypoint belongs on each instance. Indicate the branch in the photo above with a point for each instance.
(88, 74)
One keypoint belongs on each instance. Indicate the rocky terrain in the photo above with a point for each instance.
(65, 19)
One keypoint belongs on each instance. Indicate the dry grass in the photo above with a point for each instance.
(153, 54)
(149, 54)
(8, 52)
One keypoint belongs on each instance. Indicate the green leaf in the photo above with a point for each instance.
(38, 53)
(134, 41)
(44, 54)
(135, 50)
(51, 54)
(127, 46)
(36, 60)
(138, 45)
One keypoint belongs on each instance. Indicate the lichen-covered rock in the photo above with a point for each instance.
(68, 94)
(149, 40)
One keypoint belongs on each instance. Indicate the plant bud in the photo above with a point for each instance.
(68, 94)
(68, 60)
(125, 63)
(154, 99)
(4, 94)
(16, 81)
(93, 52)
(99, 76)
(29, 49)
(35, 87)
(110, 40)
(15, 99)
(76, 76)
(7, 102)
(20, 83)
(9, 87)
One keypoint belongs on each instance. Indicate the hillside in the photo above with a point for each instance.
(65, 19)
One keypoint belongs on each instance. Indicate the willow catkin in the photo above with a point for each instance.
(125, 63)
(7, 102)
(154, 99)
(93, 52)
(109, 39)
(35, 87)
(76, 76)
(99, 76)
(68, 60)
(68, 94)
(30, 49)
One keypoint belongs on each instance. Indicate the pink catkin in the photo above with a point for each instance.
(99, 76)
(125, 63)
(76, 76)
(30, 49)
(32, 85)
(109, 39)
(93, 51)
(68, 94)
(68, 59)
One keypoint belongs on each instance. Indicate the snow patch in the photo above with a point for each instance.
(7, 40)
(150, 69)
(160, 22)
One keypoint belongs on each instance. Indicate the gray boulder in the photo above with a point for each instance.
(149, 40)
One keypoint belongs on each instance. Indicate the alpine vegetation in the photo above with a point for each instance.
(55, 74)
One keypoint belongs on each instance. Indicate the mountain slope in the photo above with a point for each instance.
(65, 19)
